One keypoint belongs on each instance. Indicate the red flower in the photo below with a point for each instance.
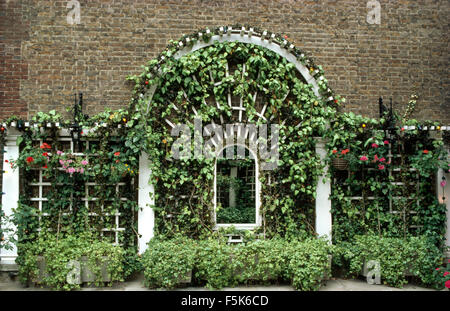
(375, 158)
(45, 166)
(334, 151)
(117, 161)
(386, 142)
(45, 146)
(45, 154)
(286, 37)
(437, 269)
(30, 159)
(374, 145)
(146, 82)
(345, 151)
(447, 283)
(402, 129)
(6, 161)
(117, 153)
(363, 158)
(425, 151)
(446, 273)
(381, 167)
(382, 159)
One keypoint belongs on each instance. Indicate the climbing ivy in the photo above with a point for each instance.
(197, 85)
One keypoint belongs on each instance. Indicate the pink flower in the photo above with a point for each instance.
(81, 170)
(386, 142)
(84, 162)
(364, 158)
(61, 162)
(447, 283)
(446, 273)
(381, 167)
(71, 170)
(59, 152)
(375, 158)
(437, 269)
(443, 183)
(382, 159)
(374, 145)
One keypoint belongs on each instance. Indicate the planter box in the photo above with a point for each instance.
(185, 279)
(86, 274)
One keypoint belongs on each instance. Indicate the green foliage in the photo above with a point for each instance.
(184, 187)
(392, 196)
(58, 251)
(417, 255)
(218, 264)
(166, 263)
(6, 231)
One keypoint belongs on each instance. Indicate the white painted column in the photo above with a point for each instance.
(146, 215)
(323, 192)
(446, 194)
(11, 190)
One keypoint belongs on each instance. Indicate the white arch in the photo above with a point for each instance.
(256, 40)
(244, 37)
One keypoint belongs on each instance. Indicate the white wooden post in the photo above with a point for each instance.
(146, 215)
(446, 194)
(11, 190)
(323, 192)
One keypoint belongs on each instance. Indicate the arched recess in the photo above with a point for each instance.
(310, 73)
(257, 185)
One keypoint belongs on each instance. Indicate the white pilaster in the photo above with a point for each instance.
(146, 216)
(11, 190)
(444, 197)
(323, 202)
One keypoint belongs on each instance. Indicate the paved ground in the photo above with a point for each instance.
(136, 285)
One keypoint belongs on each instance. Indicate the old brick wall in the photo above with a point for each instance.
(44, 60)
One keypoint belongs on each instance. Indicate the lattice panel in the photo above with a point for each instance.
(112, 223)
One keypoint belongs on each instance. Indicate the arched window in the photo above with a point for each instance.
(236, 197)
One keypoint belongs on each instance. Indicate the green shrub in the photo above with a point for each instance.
(308, 263)
(58, 251)
(166, 262)
(395, 255)
(214, 263)
(304, 263)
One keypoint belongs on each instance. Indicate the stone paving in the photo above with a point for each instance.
(136, 284)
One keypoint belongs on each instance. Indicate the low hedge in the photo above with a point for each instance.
(418, 255)
(58, 251)
(218, 264)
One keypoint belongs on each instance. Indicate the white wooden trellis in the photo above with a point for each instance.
(40, 199)
(390, 158)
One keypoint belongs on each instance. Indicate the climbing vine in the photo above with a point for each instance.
(199, 85)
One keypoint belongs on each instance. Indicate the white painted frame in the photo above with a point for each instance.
(258, 218)
(11, 189)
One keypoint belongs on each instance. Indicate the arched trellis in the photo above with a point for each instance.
(310, 73)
